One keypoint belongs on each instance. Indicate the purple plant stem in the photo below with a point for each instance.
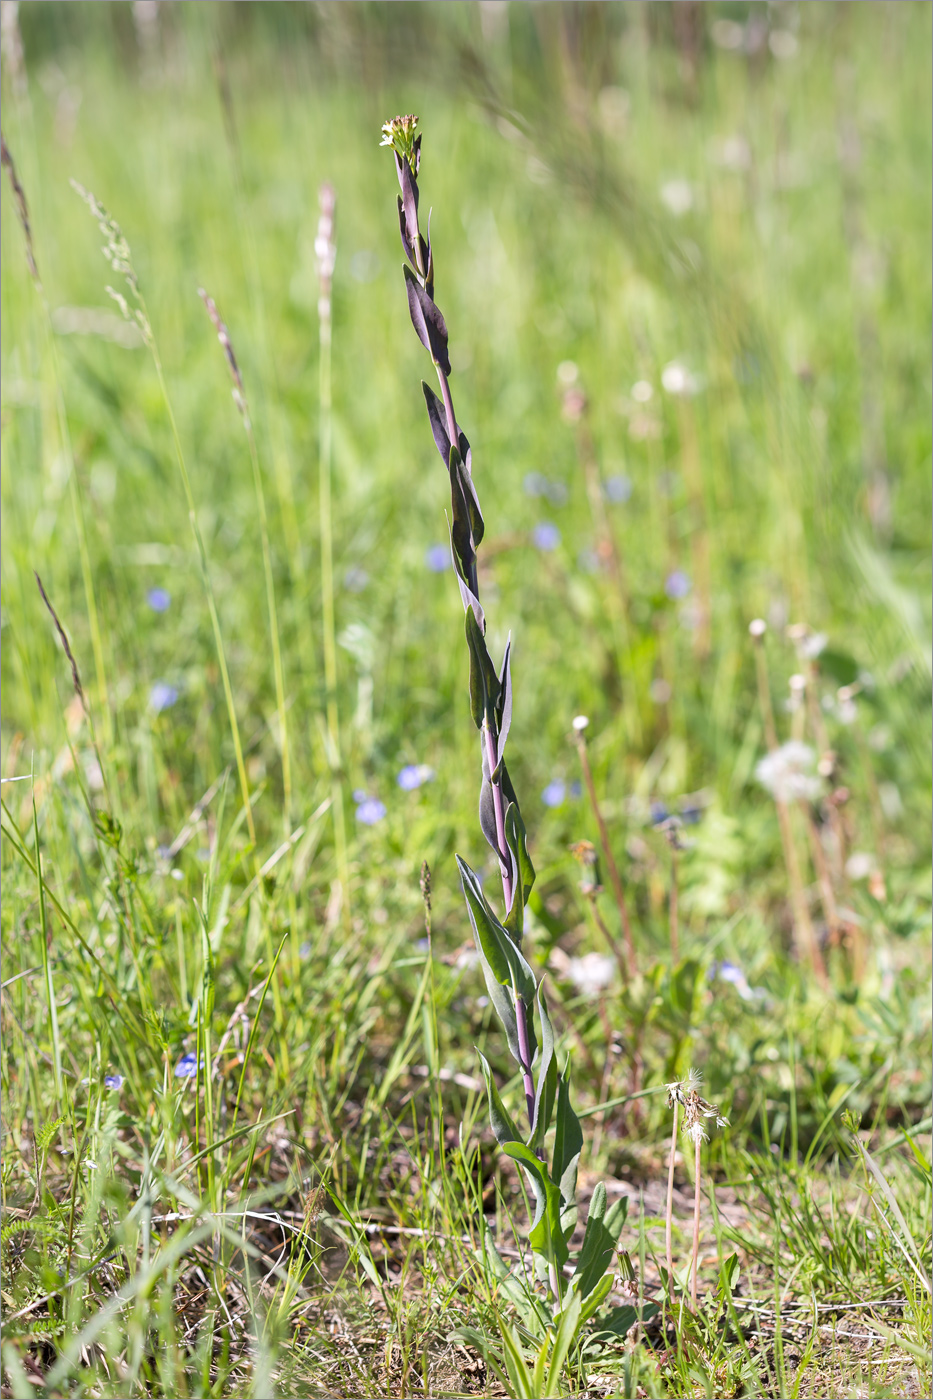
(521, 1015)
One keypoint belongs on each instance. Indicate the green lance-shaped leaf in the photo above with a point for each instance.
(567, 1328)
(545, 1235)
(506, 972)
(484, 683)
(467, 595)
(490, 827)
(504, 704)
(568, 1142)
(523, 872)
(500, 1120)
(427, 320)
(547, 1078)
(603, 1227)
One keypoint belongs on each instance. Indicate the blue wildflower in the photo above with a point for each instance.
(576, 789)
(546, 536)
(159, 599)
(555, 792)
(413, 775)
(535, 484)
(355, 579)
(617, 489)
(371, 811)
(113, 1081)
(677, 584)
(187, 1066)
(659, 813)
(162, 696)
(359, 795)
(437, 558)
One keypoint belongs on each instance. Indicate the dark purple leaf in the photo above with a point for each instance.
(403, 230)
(438, 421)
(427, 320)
(409, 190)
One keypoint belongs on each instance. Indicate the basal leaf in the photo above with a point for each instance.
(547, 1077)
(603, 1228)
(568, 1141)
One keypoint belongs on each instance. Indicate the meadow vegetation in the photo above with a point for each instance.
(683, 253)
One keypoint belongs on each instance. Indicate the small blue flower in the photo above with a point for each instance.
(162, 696)
(659, 813)
(677, 584)
(576, 789)
(113, 1081)
(690, 815)
(437, 558)
(413, 775)
(355, 579)
(359, 795)
(187, 1066)
(617, 489)
(546, 536)
(371, 811)
(159, 599)
(535, 484)
(555, 792)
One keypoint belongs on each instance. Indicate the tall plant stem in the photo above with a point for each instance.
(508, 890)
(609, 857)
(273, 626)
(674, 912)
(696, 1223)
(208, 586)
(803, 925)
(670, 1207)
(46, 962)
(325, 450)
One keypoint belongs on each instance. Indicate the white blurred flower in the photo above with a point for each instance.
(788, 773)
(809, 647)
(592, 973)
(642, 391)
(678, 196)
(677, 379)
(860, 865)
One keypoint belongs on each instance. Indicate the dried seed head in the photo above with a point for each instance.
(223, 335)
(686, 1093)
(22, 209)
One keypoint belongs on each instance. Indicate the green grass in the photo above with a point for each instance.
(305, 1219)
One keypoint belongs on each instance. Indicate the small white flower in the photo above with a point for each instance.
(678, 196)
(592, 973)
(677, 379)
(788, 773)
(757, 627)
(580, 723)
